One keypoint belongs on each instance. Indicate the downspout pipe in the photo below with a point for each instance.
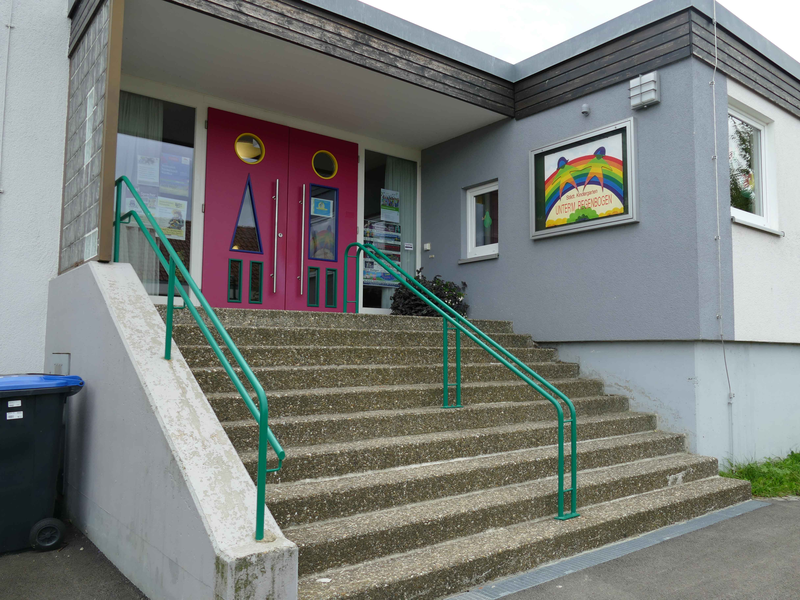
(10, 27)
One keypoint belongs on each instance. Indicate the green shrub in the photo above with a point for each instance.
(406, 302)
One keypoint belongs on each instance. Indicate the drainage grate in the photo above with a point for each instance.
(540, 575)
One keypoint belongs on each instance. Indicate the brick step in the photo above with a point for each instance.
(277, 356)
(356, 539)
(190, 335)
(297, 503)
(229, 406)
(328, 320)
(215, 379)
(305, 430)
(452, 566)
(329, 460)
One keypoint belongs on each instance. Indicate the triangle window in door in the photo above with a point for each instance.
(246, 237)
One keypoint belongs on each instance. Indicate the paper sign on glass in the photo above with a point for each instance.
(321, 208)
(390, 206)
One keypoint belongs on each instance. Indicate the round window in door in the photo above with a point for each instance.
(324, 164)
(249, 148)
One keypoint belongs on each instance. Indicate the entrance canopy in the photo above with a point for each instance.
(173, 45)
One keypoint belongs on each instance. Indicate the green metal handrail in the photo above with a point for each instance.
(454, 321)
(261, 413)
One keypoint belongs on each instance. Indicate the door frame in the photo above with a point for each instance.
(202, 102)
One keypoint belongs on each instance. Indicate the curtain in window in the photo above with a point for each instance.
(141, 123)
(401, 176)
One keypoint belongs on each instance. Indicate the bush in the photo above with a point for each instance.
(406, 302)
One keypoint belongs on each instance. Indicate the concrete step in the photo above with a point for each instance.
(190, 335)
(305, 430)
(452, 566)
(278, 356)
(328, 320)
(368, 536)
(215, 379)
(229, 406)
(329, 460)
(297, 503)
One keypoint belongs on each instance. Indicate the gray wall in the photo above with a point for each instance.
(656, 279)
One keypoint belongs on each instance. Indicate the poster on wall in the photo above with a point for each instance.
(583, 183)
(390, 206)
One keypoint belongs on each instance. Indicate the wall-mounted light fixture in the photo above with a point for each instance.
(645, 91)
(585, 110)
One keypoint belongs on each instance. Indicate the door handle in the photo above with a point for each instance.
(275, 252)
(302, 238)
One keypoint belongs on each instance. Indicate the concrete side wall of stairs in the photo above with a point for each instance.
(151, 477)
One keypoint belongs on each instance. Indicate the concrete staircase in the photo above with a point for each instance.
(388, 496)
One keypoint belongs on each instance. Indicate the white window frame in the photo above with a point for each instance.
(474, 251)
(766, 184)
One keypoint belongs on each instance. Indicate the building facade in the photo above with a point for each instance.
(626, 197)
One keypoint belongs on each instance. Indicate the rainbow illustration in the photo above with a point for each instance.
(576, 174)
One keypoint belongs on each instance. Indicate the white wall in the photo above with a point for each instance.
(766, 405)
(685, 384)
(766, 268)
(31, 173)
(151, 476)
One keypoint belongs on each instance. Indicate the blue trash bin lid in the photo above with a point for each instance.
(19, 383)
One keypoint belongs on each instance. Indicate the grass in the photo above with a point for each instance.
(770, 478)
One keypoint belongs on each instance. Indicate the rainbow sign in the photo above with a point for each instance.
(585, 182)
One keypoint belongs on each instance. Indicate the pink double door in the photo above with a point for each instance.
(280, 209)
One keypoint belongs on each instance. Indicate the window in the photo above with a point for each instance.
(155, 150)
(747, 159)
(482, 220)
(324, 164)
(234, 281)
(249, 148)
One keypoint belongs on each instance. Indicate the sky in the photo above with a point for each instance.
(516, 29)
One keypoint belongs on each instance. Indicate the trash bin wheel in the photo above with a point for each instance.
(47, 534)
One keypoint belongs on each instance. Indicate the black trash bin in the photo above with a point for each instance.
(31, 421)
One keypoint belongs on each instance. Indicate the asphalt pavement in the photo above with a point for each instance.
(752, 556)
(78, 571)
(755, 556)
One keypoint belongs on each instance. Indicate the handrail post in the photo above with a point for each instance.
(573, 459)
(170, 308)
(359, 255)
(445, 361)
(261, 478)
(561, 467)
(344, 292)
(117, 217)
(458, 368)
